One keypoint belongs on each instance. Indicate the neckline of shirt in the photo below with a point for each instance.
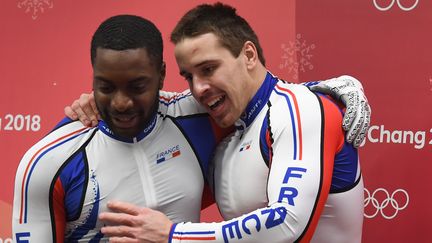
(257, 102)
(103, 126)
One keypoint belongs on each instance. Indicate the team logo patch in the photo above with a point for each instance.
(168, 154)
(245, 146)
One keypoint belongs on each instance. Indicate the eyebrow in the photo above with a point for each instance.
(205, 63)
(183, 72)
(141, 78)
(102, 79)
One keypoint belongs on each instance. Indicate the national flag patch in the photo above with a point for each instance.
(168, 154)
(245, 146)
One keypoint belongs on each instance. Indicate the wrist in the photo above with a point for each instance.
(171, 232)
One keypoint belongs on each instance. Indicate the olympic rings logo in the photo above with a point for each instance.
(402, 7)
(389, 200)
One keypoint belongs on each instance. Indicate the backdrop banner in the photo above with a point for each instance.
(45, 65)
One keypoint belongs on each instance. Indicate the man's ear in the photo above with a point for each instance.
(250, 54)
(162, 75)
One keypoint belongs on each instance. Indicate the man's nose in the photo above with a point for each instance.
(199, 86)
(121, 101)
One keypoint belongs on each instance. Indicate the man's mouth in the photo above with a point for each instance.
(214, 103)
(124, 121)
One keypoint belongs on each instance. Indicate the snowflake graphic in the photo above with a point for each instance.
(297, 56)
(35, 6)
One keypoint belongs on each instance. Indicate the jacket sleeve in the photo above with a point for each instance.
(39, 213)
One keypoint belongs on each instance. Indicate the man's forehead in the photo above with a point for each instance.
(121, 58)
(141, 51)
(205, 46)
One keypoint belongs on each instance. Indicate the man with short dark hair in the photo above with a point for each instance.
(147, 150)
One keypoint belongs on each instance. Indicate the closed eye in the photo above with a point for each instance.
(208, 70)
(104, 87)
(187, 76)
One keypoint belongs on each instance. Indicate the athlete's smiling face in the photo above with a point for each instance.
(126, 87)
(218, 80)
